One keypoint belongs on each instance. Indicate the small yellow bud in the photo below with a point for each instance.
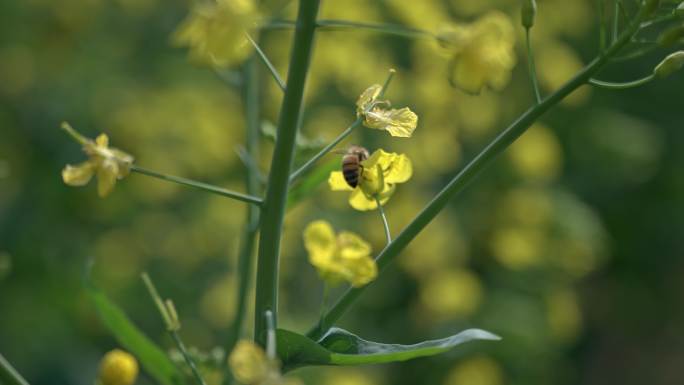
(118, 368)
(671, 36)
(671, 64)
(528, 13)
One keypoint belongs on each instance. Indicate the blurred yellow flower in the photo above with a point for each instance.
(250, 366)
(537, 155)
(400, 123)
(216, 31)
(118, 368)
(378, 178)
(339, 257)
(481, 53)
(480, 370)
(451, 293)
(108, 163)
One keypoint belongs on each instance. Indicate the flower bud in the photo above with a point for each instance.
(670, 65)
(118, 368)
(671, 36)
(528, 13)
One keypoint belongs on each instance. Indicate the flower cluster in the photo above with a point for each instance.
(339, 257)
(216, 32)
(250, 366)
(481, 54)
(379, 175)
(109, 164)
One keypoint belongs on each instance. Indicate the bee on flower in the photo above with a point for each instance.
(339, 257)
(481, 54)
(251, 366)
(109, 164)
(117, 368)
(375, 180)
(399, 123)
(216, 31)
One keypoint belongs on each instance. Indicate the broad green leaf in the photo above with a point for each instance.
(340, 347)
(311, 181)
(152, 358)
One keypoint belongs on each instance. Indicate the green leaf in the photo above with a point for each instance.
(152, 358)
(310, 183)
(340, 347)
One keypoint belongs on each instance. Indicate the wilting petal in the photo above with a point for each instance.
(367, 98)
(400, 123)
(107, 174)
(78, 175)
(337, 183)
(352, 246)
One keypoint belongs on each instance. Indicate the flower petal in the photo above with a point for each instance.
(320, 242)
(367, 98)
(352, 246)
(400, 123)
(78, 175)
(337, 182)
(363, 271)
(361, 201)
(107, 173)
(102, 141)
(400, 171)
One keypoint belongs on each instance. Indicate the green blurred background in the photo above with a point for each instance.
(569, 246)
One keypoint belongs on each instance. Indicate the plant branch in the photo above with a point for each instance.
(269, 65)
(245, 257)
(623, 85)
(385, 223)
(471, 170)
(199, 185)
(9, 375)
(531, 67)
(273, 212)
(336, 24)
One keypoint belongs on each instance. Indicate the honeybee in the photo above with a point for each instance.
(351, 164)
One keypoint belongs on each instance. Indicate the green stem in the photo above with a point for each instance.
(269, 65)
(385, 223)
(531, 67)
(186, 356)
(616, 21)
(271, 348)
(335, 24)
(246, 255)
(621, 86)
(9, 375)
(200, 185)
(310, 163)
(273, 211)
(471, 170)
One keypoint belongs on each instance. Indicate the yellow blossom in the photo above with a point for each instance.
(250, 365)
(118, 368)
(481, 53)
(109, 164)
(378, 178)
(398, 122)
(216, 31)
(339, 257)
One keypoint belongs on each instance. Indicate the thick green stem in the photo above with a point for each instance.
(246, 254)
(8, 375)
(531, 67)
(199, 185)
(471, 170)
(273, 211)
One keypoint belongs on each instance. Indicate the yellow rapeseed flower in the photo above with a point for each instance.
(250, 366)
(216, 31)
(481, 53)
(118, 368)
(109, 164)
(339, 257)
(378, 178)
(400, 123)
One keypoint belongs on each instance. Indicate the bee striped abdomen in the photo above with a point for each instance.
(351, 170)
